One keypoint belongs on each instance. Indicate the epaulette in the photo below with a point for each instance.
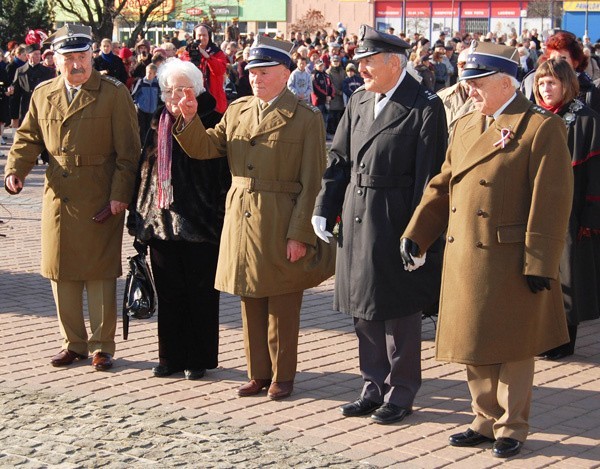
(303, 103)
(243, 99)
(540, 110)
(44, 83)
(430, 95)
(112, 80)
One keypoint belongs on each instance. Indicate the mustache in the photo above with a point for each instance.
(76, 71)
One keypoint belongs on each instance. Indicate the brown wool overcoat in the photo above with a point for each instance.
(286, 146)
(94, 149)
(506, 213)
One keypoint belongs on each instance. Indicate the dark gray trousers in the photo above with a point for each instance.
(390, 359)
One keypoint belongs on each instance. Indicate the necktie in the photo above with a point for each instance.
(378, 105)
(72, 93)
(262, 110)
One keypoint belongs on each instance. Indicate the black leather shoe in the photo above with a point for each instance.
(468, 438)
(390, 413)
(160, 371)
(506, 447)
(359, 407)
(194, 374)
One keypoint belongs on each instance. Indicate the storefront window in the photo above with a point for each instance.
(267, 27)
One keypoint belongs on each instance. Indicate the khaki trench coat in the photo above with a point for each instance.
(94, 149)
(276, 165)
(506, 213)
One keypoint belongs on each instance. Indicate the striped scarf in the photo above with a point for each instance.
(165, 153)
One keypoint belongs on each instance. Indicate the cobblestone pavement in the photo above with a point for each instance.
(77, 417)
(38, 429)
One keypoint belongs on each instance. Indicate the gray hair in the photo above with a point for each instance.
(402, 57)
(173, 67)
(516, 84)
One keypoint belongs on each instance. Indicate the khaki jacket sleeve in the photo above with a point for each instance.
(197, 142)
(28, 144)
(551, 182)
(127, 147)
(431, 215)
(311, 171)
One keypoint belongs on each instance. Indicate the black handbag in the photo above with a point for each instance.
(139, 298)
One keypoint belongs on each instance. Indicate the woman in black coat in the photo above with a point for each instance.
(556, 88)
(178, 212)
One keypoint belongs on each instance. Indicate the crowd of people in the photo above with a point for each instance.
(457, 171)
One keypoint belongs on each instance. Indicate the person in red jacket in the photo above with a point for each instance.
(212, 61)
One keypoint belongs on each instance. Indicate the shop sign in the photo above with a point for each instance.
(506, 9)
(194, 11)
(582, 6)
(133, 7)
(418, 12)
(388, 10)
(475, 10)
(225, 10)
(444, 10)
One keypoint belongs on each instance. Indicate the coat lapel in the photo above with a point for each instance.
(479, 144)
(395, 111)
(283, 109)
(86, 95)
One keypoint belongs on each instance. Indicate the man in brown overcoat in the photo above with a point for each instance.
(269, 254)
(88, 125)
(504, 197)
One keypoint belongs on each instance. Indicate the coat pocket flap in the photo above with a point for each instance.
(511, 234)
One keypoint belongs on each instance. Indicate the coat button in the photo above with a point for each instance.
(65, 199)
(453, 209)
(250, 166)
(65, 174)
(357, 219)
(450, 239)
(479, 244)
(63, 149)
(362, 165)
(359, 192)
(252, 142)
(247, 214)
(480, 213)
(482, 182)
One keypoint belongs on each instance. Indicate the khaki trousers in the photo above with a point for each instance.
(271, 327)
(102, 307)
(501, 396)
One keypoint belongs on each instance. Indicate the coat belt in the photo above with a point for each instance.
(367, 180)
(79, 160)
(261, 185)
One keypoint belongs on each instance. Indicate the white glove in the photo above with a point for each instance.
(419, 261)
(319, 224)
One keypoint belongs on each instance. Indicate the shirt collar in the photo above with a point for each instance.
(504, 106)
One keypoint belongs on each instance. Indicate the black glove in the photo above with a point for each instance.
(537, 284)
(408, 250)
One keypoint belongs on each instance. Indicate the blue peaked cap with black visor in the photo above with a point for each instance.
(268, 52)
(486, 58)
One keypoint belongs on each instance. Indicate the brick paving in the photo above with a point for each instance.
(565, 412)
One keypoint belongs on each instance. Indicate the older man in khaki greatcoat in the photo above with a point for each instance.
(88, 124)
(504, 197)
(269, 253)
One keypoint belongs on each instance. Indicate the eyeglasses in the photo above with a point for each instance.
(176, 92)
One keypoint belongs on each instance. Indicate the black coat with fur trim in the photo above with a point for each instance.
(199, 190)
